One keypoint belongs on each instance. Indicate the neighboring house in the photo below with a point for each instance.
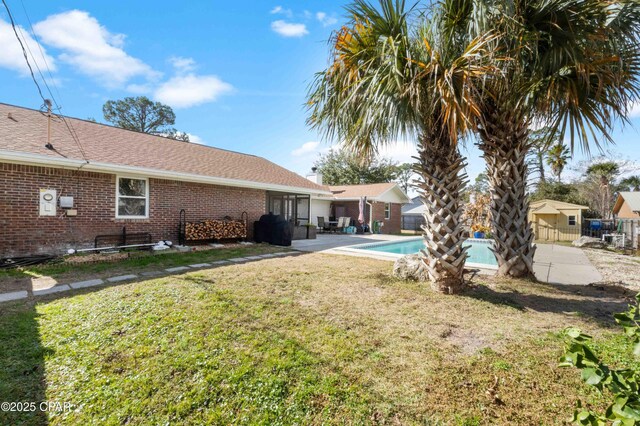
(384, 202)
(627, 205)
(413, 215)
(556, 220)
(119, 178)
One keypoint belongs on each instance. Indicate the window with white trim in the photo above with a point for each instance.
(572, 220)
(132, 198)
(387, 210)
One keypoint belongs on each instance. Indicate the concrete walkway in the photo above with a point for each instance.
(121, 279)
(556, 264)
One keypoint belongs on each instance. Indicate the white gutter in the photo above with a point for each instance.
(68, 163)
(370, 216)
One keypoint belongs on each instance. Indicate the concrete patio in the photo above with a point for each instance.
(554, 264)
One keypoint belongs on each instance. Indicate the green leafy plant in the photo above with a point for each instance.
(623, 384)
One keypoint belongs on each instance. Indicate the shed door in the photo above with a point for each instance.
(546, 226)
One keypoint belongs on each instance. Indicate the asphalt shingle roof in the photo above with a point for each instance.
(25, 130)
(371, 190)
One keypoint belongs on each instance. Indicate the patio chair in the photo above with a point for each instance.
(343, 223)
(322, 225)
(338, 227)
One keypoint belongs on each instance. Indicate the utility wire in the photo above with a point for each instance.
(24, 52)
(44, 59)
(69, 126)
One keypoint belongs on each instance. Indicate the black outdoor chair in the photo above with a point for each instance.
(322, 225)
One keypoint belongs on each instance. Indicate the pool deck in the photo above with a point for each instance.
(554, 264)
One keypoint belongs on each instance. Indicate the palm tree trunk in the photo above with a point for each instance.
(440, 166)
(504, 142)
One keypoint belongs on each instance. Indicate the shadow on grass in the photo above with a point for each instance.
(594, 301)
(22, 373)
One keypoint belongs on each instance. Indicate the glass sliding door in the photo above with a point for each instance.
(293, 207)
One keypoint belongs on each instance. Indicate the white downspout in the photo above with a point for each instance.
(370, 216)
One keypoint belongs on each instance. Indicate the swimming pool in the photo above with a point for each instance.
(479, 253)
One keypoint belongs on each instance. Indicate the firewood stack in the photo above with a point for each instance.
(215, 230)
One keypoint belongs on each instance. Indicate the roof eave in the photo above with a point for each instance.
(68, 163)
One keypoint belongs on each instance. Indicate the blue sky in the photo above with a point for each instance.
(235, 73)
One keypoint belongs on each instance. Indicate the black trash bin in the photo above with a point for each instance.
(272, 229)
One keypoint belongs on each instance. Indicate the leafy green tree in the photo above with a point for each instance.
(557, 158)
(481, 183)
(396, 72)
(140, 114)
(570, 63)
(566, 192)
(404, 175)
(339, 167)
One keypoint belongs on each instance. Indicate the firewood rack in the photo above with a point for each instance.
(212, 229)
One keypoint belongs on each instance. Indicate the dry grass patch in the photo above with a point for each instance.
(314, 339)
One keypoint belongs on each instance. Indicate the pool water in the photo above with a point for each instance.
(479, 252)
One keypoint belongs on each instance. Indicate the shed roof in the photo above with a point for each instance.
(560, 205)
(631, 198)
(546, 209)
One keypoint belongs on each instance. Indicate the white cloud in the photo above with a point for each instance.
(196, 139)
(305, 149)
(182, 65)
(288, 29)
(325, 20)
(634, 111)
(91, 48)
(279, 10)
(185, 91)
(12, 56)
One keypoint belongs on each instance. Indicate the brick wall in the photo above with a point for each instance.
(391, 226)
(25, 232)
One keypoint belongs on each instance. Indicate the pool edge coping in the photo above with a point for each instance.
(360, 249)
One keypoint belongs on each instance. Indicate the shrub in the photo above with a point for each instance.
(622, 384)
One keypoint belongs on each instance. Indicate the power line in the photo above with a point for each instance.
(69, 126)
(24, 52)
(44, 58)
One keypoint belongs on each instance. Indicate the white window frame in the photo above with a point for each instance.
(146, 196)
(575, 220)
(387, 211)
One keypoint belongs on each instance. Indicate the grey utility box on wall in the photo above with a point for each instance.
(66, 202)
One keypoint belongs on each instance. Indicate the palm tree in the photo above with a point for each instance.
(570, 64)
(557, 159)
(393, 72)
(631, 183)
(605, 173)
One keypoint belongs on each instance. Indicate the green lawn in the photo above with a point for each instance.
(314, 339)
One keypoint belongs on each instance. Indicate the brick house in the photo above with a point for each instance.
(383, 203)
(65, 181)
